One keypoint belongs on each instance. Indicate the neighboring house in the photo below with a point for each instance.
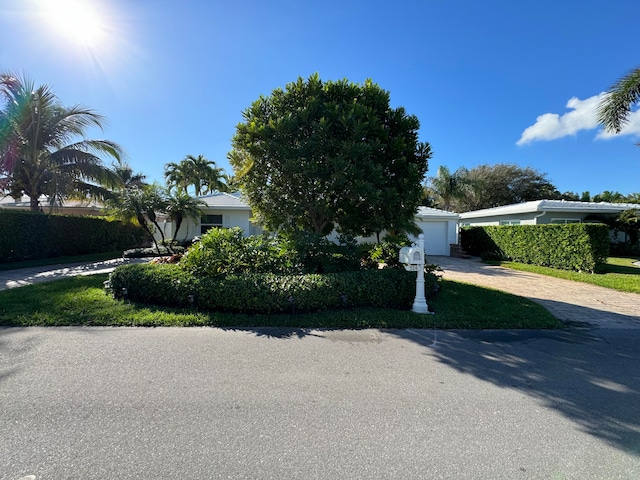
(69, 207)
(542, 211)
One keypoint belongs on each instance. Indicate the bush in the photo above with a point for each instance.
(31, 235)
(386, 253)
(575, 246)
(170, 285)
(144, 252)
(225, 251)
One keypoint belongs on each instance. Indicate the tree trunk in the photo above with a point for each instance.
(34, 204)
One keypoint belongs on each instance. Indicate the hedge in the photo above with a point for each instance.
(31, 235)
(170, 285)
(574, 246)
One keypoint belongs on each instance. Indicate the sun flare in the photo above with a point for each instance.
(77, 21)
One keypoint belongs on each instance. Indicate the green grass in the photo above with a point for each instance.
(619, 274)
(94, 257)
(82, 301)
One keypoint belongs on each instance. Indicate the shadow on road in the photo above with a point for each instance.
(591, 377)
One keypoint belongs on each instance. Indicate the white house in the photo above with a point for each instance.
(223, 210)
(541, 211)
(230, 210)
(440, 230)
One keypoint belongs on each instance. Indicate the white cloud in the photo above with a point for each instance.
(550, 126)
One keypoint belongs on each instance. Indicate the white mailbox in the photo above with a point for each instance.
(412, 256)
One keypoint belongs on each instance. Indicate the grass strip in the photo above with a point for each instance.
(81, 301)
(619, 274)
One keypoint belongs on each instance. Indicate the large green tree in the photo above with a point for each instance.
(198, 172)
(503, 184)
(319, 155)
(43, 148)
(615, 107)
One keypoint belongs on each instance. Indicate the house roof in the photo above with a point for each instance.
(551, 206)
(24, 203)
(428, 212)
(226, 201)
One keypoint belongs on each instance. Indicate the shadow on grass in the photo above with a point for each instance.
(621, 269)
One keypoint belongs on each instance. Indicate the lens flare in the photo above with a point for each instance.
(77, 21)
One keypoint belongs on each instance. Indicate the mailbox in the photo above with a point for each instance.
(413, 259)
(411, 256)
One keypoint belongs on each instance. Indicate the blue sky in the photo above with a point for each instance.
(498, 81)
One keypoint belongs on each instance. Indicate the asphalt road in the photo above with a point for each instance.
(136, 403)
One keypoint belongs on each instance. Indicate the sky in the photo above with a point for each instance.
(494, 81)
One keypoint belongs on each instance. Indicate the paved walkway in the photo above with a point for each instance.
(569, 301)
(28, 276)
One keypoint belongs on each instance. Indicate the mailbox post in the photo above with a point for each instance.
(413, 257)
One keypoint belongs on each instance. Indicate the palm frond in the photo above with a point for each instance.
(615, 107)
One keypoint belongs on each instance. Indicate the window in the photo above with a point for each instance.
(565, 220)
(208, 222)
(509, 222)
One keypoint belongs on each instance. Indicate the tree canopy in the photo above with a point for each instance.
(320, 155)
(203, 174)
(43, 149)
(487, 186)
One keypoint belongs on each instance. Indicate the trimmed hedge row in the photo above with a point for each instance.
(574, 246)
(30, 235)
(170, 285)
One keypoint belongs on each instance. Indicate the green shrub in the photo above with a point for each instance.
(144, 252)
(224, 251)
(171, 285)
(315, 253)
(388, 251)
(31, 235)
(575, 246)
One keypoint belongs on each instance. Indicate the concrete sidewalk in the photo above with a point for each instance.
(567, 300)
(28, 276)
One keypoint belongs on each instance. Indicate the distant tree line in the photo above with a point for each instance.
(487, 186)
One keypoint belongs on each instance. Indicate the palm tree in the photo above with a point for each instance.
(181, 206)
(197, 171)
(128, 178)
(448, 186)
(142, 205)
(615, 107)
(43, 149)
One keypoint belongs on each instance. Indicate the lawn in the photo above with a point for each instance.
(619, 274)
(82, 301)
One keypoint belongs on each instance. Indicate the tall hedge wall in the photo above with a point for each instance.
(575, 246)
(30, 236)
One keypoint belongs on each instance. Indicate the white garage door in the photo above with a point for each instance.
(435, 238)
